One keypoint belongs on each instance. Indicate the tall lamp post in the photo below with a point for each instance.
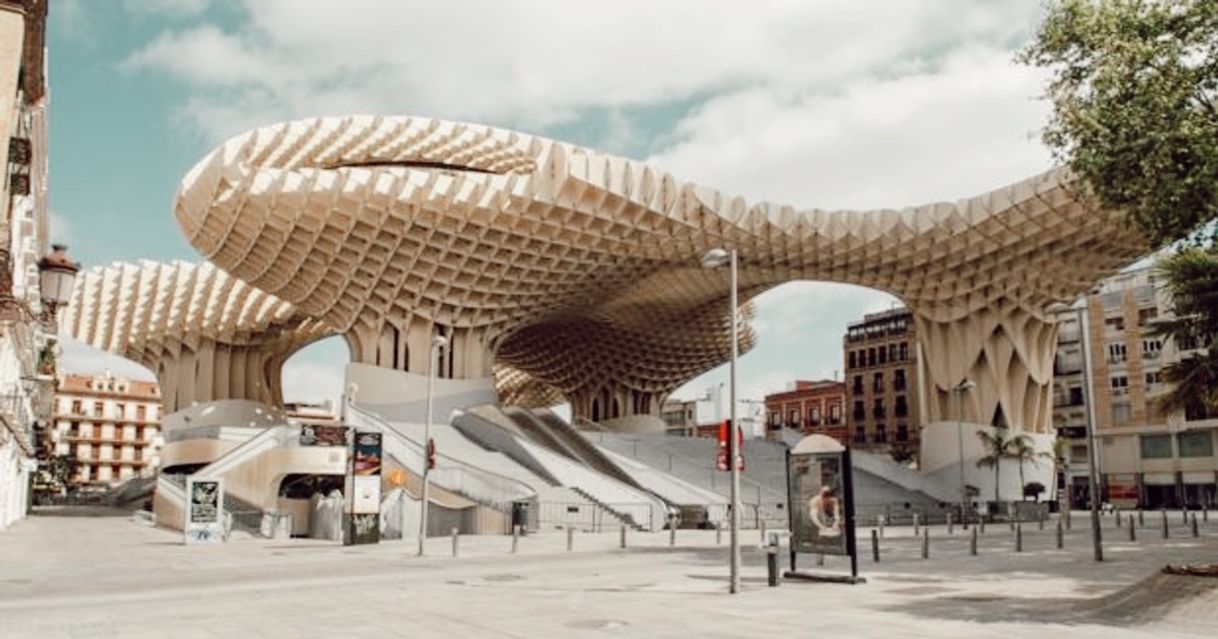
(716, 258)
(958, 391)
(437, 345)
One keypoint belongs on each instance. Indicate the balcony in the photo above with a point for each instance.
(98, 439)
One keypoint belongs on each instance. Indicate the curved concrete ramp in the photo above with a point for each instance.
(1185, 601)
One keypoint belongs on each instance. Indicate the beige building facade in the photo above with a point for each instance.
(1109, 370)
(109, 426)
(26, 350)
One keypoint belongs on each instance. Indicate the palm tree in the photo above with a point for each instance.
(998, 446)
(1192, 288)
(1022, 450)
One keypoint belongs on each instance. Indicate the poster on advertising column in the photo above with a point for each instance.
(818, 506)
(204, 511)
(364, 489)
(821, 504)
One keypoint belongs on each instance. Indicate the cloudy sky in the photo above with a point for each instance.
(815, 103)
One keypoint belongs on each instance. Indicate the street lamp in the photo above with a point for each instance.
(958, 391)
(56, 277)
(437, 345)
(716, 258)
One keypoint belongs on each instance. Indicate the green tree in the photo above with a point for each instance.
(1135, 114)
(1022, 450)
(1191, 276)
(999, 445)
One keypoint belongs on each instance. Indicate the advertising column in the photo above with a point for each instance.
(364, 486)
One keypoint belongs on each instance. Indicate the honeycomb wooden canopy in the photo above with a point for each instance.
(581, 270)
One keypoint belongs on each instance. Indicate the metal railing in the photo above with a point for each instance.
(592, 517)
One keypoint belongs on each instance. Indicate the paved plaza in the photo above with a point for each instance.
(98, 574)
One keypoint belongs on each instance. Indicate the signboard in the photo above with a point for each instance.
(725, 451)
(819, 506)
(204, 511)
(364, 488)
(1123, 490)
(319, 435)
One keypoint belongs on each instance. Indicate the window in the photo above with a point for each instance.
(1121, 414)
(892, 352)
(793, 418)
(1155, 446)
(98, 407)
(902, 433)
(858, 384)
(903, 351)
(879, 408)
(1154, 378)
(860, 435)
(1195, 443)
(881, 434)
(1119, 383)
(901, 408)
(1114, 323)
(1185, 343)
(835, 413)
(775, 419)
(1151, 348)
(871, 357)
(1196, 413)
(1147, 315)
(120, 410)
(814, 416)
(898, 379)
(140, 413)
(883, 355)
(1116, 353)
(850, 361)
(877, 382)
(76, 407)
(1076, 396)
(859, 411)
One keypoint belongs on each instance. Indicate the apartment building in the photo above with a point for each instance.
(26, 356)
(1109, 370)
(809, 407)
(109, 426)
(881, 364)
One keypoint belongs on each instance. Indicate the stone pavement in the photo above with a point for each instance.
(105, 576)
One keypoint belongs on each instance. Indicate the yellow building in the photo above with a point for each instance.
(110, 426)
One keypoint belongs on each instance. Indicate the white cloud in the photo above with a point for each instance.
(535, 63)
(82, 359)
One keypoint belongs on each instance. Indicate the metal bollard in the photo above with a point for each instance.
(1018, 538)
(915, 524)
(1069, 517)
(672, 534)
(1184, 515)
(762, 527)
(926, 544)
(982, 524)
(1133, 536)
(1164, 518)
(882, 520)
(875, 546)
(1205, 513)
(1141, 519)
(623, 542)
(570, 538)
(771, 565)
(1061, 537)
(972, 543)
(1196, 532)
(515, 538)
(820, 559)
(951, 525)
(1040, 521)
(454, 531)
(1118, 517)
